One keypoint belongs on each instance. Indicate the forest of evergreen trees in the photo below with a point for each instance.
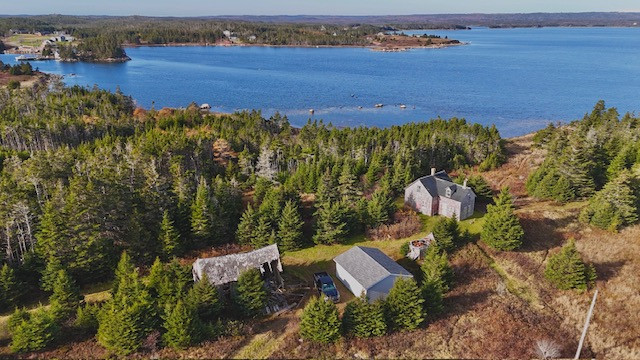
(85, 177)
(592, 159)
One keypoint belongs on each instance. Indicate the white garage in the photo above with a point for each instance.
(369, 270)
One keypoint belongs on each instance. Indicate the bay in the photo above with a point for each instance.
(518, 79)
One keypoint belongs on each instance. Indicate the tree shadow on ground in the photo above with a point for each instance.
(459, 304)
(608, 270)
(542, 234)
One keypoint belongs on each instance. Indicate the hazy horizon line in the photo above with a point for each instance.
(342, 15)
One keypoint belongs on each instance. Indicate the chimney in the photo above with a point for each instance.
(433, 171)
(464, 184)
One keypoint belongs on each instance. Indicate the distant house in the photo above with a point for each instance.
(369, 271)
(437, 194)
(224, 270)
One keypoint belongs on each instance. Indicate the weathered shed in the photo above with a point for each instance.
(369, 271)
(226, 269)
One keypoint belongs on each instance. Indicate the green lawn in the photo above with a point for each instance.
(303, 263)
(27, 39)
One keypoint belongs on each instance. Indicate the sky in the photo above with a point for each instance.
(304, 7)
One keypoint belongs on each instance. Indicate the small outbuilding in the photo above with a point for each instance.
(224, 270)
(368, 270)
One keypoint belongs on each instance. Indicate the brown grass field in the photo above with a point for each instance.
(499, 307)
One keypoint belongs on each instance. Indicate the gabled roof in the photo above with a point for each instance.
(368, 265)
(437, 185)
(227, 268)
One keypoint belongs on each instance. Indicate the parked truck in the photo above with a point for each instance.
(325, 286)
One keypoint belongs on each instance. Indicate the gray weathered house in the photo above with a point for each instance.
(436, 194)
(224, 270)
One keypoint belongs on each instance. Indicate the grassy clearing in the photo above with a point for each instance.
(26, 40)
(92, 293)
(261, 346)
(303, 263)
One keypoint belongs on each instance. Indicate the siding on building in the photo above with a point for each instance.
(437, 194)
(349, 281)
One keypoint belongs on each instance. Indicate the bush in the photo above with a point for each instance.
(404, 249)
(403, 306)
(35, 333)
(566, 270)
(251, 295)
(13, 84)
(320, 321)
(363, 320)
(405, 224)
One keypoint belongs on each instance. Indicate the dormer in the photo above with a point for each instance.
(449, 191)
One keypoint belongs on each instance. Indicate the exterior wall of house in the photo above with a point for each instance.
(382, 288)
(349, 281)
(419, 199)
(467, 206)
(449, 207)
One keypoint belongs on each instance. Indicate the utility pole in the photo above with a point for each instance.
(586, 325)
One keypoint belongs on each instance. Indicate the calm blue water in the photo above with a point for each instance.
(519, 79)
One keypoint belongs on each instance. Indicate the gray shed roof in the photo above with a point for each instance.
(437, 185)
(369, 265)
(227, 268)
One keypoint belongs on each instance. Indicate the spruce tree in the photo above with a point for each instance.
(263, 235)
(129, 316)
(432, 294)
(290, 228)
(247, 226)
(124, 269)
(169, 237)
(363, 319)
(502, 229)
(251, 294)
(50, 273)
(331, 226)
(320, 321)
(566, 270)
(379, 208)
(562, 190)
(156, 277)
(181, 325)
(66, 296)
(347, 184)
(447, 234)
(615, 205)
(9, 287)
(436, 269)
(201, 218)
(35, 333)
(403, 306)
(205, 299)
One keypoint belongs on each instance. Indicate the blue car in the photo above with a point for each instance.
(324, 284)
